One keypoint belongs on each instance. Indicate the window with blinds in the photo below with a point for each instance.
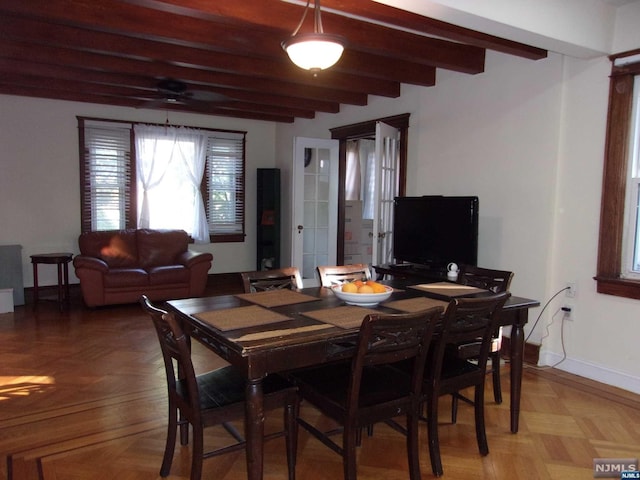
(106, 176)
(225, 182)
(108, 186)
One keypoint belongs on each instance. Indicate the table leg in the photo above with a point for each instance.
(66, 283)
(254, 429)
(60, 287)
(35, 284)
(517, 358)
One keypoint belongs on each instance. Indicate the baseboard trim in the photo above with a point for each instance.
(592, 371)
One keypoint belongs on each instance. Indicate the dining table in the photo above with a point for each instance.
(278, 331)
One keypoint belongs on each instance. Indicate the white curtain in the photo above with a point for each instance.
(352, 180)
(360, 174)
(170, 164)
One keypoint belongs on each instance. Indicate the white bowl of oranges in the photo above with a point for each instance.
(362, 293)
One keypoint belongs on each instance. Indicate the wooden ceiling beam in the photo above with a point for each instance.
(117, 51)
(370, 10)
(13, 27)
(366, 10)
(61, 56)
(149, 19)
(13, 89)
(150, 99)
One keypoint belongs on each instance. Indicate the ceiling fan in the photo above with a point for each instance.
(171, 91)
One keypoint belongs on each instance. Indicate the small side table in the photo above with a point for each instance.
(62, 261)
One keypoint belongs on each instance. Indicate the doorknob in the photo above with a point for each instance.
(300, 228)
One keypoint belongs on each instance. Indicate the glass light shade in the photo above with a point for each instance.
(314, 51)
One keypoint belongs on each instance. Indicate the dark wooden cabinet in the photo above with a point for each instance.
(268, 218)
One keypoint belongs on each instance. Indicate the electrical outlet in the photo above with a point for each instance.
(572, 289)
(569, 314)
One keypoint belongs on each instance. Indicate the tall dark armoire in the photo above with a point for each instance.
(268, 218)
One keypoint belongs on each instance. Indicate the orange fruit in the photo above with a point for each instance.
(350, 288)
(359, 283)
(379, 288)
(365, 289)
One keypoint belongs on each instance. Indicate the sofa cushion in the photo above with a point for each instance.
(169, 274)
(126, 277)
(160, 247)
(117, 248)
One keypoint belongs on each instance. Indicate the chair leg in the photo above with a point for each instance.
(197, 452)
(169, 449)
(184, 430)
(454, 408)
(349, 452)
(432, 430)
(412, 446)
(291, 413)
(495, 371)
(481, 434)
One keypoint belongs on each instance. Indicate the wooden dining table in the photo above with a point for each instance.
(274, 332)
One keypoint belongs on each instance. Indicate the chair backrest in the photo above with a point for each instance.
(174, 344)
(391, 338)
(494, 280)
(331, 275)
(262, 280)
(467, 320)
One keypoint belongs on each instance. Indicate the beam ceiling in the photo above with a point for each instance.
(228, 54)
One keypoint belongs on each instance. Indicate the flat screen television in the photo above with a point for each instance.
(432, 231)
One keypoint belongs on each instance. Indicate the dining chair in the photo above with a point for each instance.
(330, 275)
(495, 281)
(262, 280)
(213, 398)
(368, 389)
(465, 320)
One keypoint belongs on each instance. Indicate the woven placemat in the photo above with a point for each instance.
(347, 316)
(448, 289)
(282, 332)
(240, 317)
(276, 298)
(410, 305)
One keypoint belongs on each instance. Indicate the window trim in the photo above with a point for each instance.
(131, 219)
(614, 182)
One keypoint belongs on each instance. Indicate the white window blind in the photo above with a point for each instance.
(225, 180)
(106, 176)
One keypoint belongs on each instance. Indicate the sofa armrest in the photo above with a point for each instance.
(92, 263)
(191, 258)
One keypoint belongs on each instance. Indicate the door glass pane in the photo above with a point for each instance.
(309, 187)
(316, 209)
(323, 161)
(323, 188)
(322, 214)
(309, 214)
(309, 241)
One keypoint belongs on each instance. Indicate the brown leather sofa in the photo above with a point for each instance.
(119, 266)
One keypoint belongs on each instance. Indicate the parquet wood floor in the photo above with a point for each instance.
(82, 396)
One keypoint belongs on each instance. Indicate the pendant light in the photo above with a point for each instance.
(314, 51)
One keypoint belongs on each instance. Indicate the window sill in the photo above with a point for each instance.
(620, 287)
(230, 238)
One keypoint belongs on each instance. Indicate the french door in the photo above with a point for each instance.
(387, 167)
(315, 206)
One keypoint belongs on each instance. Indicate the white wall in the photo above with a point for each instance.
(528, 139)
(39, 177)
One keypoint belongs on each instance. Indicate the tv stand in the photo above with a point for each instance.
(411, 270)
